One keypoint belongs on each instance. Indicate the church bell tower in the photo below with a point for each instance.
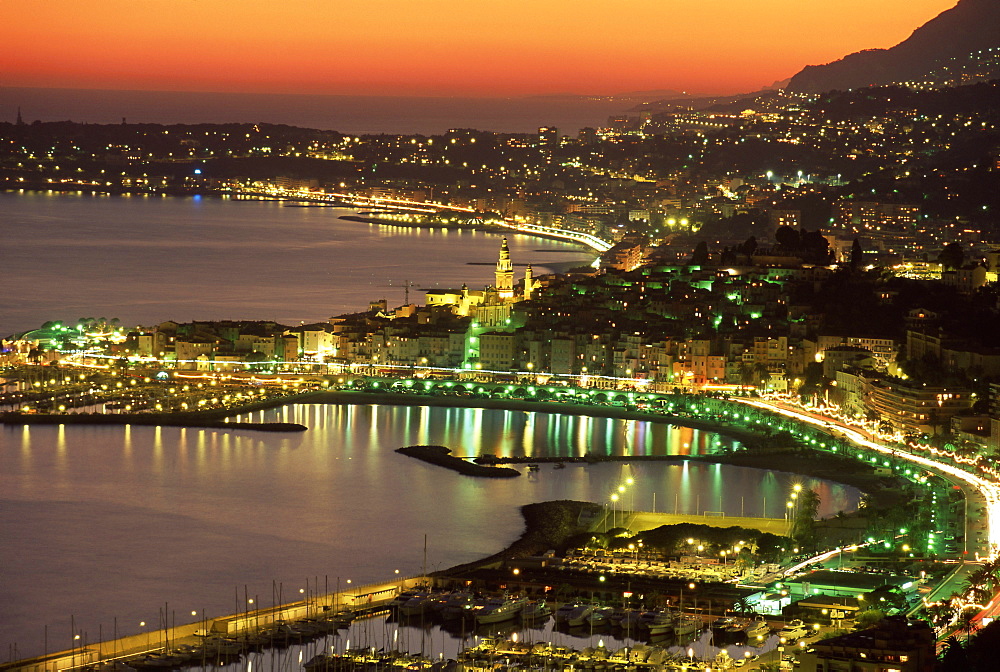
(505, 273)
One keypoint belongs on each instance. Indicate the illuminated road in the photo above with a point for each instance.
(979, 493)
(988, 492)
(428, 207)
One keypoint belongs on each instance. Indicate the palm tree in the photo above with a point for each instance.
(742, 606)
(746, 374)
(967, 622)
(762, 376)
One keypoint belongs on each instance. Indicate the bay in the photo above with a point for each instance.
(147, 259)
(106, 525)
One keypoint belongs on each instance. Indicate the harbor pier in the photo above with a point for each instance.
(355, 601)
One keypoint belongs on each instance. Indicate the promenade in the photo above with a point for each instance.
(356, 600)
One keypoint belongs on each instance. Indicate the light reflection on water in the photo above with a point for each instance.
(263, 259)
(435, 642)
(106, 523)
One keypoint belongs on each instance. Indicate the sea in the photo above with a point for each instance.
(148, 259)
(346, 114)
(103, 527)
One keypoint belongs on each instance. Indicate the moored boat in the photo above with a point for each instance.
(601, 617)
(563, 612)
(536, 611)
(687, 624)
(757, 628)
(416, 605)
(579, 615)
(457, 607)
(500, 610)
(658, 622)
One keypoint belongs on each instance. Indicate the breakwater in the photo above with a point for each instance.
(153, 419)
(442, 457)
(255, 628)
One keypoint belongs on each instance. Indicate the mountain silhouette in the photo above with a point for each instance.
(969, 27)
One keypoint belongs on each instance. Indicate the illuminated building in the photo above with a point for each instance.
(548, 136)
(505, 273)
(892, 645)
(907, 406)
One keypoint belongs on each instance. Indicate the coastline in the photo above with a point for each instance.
(756, 453)
(372, 398)
(473, 227)
(543, 523)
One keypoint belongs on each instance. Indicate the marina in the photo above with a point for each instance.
(339, 502)
(393, 627)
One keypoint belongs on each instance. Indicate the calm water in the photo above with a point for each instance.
(105, 523)
(347, 114)
(150, 259)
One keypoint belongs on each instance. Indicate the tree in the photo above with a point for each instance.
(788, 238)
(967, 621)
(857, 255)
(804, 523)
(952, 256)
(748, 247)
(700, 255)
(746, 374)
(256, 360)
(122, 365)
(761, 375)
(868, 618)
(954, 659)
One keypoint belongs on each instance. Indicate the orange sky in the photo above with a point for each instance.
(439, 47)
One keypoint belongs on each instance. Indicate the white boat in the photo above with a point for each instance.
(794, 629)
(629, 622)
(638, 654)
(402, 598)
(457, 606)
(498, 611)
(416, 605)
(656, 656)
(687, 624)
(658, 622)
(757, 628)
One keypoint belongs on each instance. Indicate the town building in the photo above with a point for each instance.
(893, 645)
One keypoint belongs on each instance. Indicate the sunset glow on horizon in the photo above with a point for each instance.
(441, 47)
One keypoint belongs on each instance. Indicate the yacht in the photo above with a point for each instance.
(500, 610)
(757, 628)
(601, 617)
(687, 624)
(457, 606)
(579, 615)
(563, 612)
(416, 605)
(657, 622)
(535, 612)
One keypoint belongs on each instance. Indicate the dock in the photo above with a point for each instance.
(356, 602)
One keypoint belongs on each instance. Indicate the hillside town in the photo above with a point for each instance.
(765, 265)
